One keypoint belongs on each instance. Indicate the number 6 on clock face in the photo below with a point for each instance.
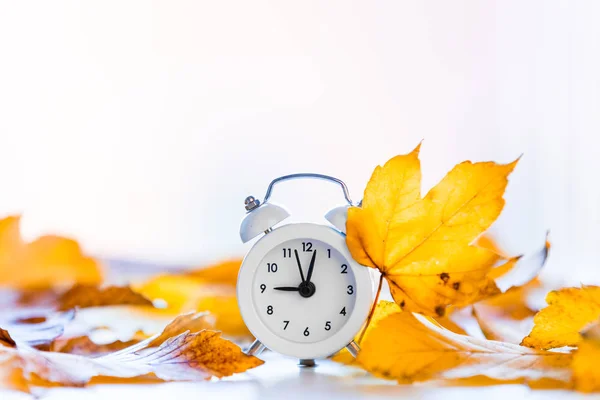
(301, 293)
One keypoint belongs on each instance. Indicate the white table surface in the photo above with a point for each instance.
(280, 378)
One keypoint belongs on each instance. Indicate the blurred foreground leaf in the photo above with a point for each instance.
(82, 296)
(47, 262)
(408, 348)
(211, 289)
(586, 374)
(181, 352)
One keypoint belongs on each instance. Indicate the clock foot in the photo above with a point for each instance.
(255, 348)
(353, 348)
(307, 363)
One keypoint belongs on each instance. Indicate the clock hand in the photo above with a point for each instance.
(299, 266)
(311, 266)
(287, 288)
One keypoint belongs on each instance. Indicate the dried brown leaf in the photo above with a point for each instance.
(193, 322)
(6, 339)
(39, 334)
(84, 346)
(83, 296)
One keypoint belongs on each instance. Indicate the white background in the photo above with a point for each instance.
(139, 127)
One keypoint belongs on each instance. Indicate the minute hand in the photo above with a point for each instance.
(299, 266)
(311, 266)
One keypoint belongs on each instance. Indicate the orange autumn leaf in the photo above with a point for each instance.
(210, 354)
(586, 374)
(190, 292)
(422, 246)
(83, 296)
(49, 261)
(83, 345)
(225, 272)
(569, 311)
(190, 355)
(409, 348)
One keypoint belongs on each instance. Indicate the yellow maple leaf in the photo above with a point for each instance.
(569, 311)
(408, 348)
(196, 291)
(49, 261)
(586, 374)
(422, 246)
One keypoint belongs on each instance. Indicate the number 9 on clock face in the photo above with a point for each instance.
(304, 290)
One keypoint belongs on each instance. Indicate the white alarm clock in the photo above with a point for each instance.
(299, 290)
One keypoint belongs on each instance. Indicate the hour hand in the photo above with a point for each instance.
(311, 266)
(288, 288)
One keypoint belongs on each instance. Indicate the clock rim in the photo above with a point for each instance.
(251, 262)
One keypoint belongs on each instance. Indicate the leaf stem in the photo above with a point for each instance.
(362, 334)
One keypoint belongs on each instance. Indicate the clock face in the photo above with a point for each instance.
(304, 290)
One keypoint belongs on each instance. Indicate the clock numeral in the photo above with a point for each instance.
(328, 325)
(306, 332)
(286, 324)
(270, 310)
(350, 289)
(328, 253)
(263, 287)
(307, 246)
(287, 253)
(343, 312)
(344, 269)
(272, 267)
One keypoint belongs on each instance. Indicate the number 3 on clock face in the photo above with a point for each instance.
(301, 293)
